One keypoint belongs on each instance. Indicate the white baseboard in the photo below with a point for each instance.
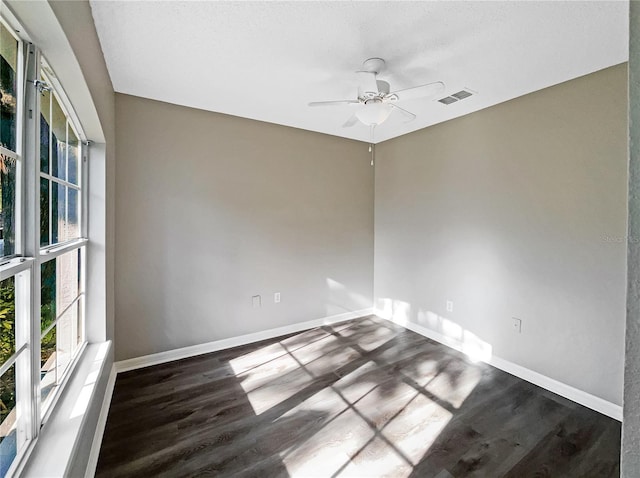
(193, 350)
(102, 422)
(564, 390)
(579, 396)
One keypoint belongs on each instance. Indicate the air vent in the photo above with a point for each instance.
(460, 95)
(448, 100)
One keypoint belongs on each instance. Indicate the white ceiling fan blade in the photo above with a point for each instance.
(409, 116)
(334, 103)
(422, 91)
(350, 122)
(367, 83)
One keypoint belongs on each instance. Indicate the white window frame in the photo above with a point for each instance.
(21, 269)
(50, 251)
(25, 264)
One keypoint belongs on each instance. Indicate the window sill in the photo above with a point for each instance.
(57, 448)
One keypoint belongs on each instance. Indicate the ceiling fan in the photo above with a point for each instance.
(376, 101)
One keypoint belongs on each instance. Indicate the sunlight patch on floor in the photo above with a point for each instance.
(359, 382)
(417, 427)
(372, 340)
(257, 358)
(455, 385)
(377, 459)
(270, 384)
(326, 451)
(326, 401)
(368, 420)
(275, 373)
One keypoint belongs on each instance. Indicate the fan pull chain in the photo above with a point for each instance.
(371, 145)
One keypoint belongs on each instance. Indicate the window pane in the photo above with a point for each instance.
(7, 319)
(67, 337)
(48, 369)
(8, 117)
(60, 286)
(72, 159)
(47, 294)
(45, 99)
(56, 208)
(8, 420)
(8, 88)
(7, 205)
(60, 203)
(58, 348)
(67, 280)
(44, 211)
(64, 213)
(59, 290)
(72, 226)
(58, 123)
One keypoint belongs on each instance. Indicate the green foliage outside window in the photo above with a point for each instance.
(8, 117)
(47, 307)
(47, 315)
(7, 345)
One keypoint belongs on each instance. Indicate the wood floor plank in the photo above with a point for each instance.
(574, 444)
(360, 398)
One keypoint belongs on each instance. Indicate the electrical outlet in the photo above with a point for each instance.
(276, 297)
(517, 325)
(257, 301)
(449, 306)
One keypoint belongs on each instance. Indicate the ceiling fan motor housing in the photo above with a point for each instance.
(373, 65)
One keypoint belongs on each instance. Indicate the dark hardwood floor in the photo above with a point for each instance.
(362, 398)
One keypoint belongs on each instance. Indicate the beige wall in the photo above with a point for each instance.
(213, 209)
(518, 210)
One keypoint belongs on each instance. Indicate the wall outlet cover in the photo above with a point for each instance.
(516, 324)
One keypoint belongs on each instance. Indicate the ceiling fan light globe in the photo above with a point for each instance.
(374, 113)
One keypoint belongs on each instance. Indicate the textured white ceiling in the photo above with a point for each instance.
(267, 60)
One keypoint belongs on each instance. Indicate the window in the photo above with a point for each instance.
(60, 238)
(59, 188)
(15, 397)
(42, 196)
(60, 319)
(8, 138)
